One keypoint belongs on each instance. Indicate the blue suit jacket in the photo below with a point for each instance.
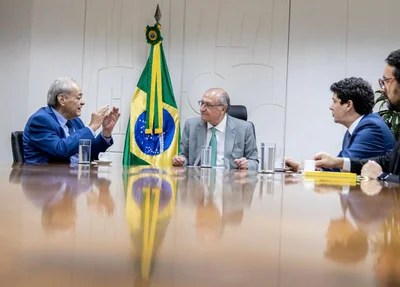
(372, 137)
(44, 140)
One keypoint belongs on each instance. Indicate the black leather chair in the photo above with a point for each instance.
(240, 112)
(16, 146)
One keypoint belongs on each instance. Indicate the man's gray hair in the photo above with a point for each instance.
(225, 100)
(59, 86)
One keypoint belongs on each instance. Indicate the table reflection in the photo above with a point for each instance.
(219, 196)
(55, 190)
(174, 226)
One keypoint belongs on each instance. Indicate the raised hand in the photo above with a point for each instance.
(110, 121)
(98, 117)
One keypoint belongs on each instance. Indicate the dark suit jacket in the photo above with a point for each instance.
(390, 163)
(44, 140)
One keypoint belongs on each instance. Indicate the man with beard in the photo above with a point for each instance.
(386, 167)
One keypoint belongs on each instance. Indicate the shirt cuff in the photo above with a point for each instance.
(346, 164)
(94, 135)
(108, 140)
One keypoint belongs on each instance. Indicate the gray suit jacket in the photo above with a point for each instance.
(239, 142)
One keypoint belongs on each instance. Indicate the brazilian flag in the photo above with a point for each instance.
(152, 135)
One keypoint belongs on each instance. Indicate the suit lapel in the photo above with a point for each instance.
(230, 135)
(201, 135)
(60, 128)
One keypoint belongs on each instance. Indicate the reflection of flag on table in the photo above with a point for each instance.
(152, 135)
(150, 203)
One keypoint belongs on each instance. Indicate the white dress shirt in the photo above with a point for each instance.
(220, 135)
(346, 161)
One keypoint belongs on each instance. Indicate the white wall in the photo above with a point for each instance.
(331, 40)
(14, 60)
(239, 45)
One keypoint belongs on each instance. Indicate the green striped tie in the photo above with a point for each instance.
(213, 145)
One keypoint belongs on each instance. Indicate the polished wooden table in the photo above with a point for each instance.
(109, 226)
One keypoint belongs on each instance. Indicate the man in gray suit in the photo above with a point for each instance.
(233, 138)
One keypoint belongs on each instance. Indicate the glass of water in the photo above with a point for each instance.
(206, 156)
(268, 157)
(84, 151)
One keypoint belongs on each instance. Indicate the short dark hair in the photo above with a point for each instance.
(394, 60)
(358, 91)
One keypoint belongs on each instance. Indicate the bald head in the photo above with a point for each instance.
(221, 95)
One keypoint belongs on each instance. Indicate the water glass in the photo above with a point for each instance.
(279, 159)
(206, 156)
(268, 156)
(84, 151)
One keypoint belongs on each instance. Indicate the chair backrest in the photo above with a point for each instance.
(17, 147)
(240, 112)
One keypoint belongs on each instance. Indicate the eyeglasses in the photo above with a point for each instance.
(207, 105)
(382, 82)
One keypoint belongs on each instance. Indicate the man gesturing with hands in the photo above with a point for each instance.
(52, 134)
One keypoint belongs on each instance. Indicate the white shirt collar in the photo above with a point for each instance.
(354, 125)
(220, 127)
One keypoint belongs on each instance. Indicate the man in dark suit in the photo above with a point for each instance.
(52, 134)
(367, 134)
(385, 167)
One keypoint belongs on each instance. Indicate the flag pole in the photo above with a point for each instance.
(157, 17)
(158, 14)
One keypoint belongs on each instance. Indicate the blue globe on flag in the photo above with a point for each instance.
(150, 143)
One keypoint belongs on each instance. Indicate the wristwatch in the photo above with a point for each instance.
(383, 176)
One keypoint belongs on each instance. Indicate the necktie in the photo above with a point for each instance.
(213, 145)
(346, 140)
(70, 127)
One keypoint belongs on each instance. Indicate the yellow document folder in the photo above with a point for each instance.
(330, 174)
(327, 176)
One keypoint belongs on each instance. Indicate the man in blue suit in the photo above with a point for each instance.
(52, 134)
(367, 134)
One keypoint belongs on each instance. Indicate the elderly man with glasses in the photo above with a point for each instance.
(386, 167)
(232, 141)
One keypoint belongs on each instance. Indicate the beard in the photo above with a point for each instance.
(394, 106)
